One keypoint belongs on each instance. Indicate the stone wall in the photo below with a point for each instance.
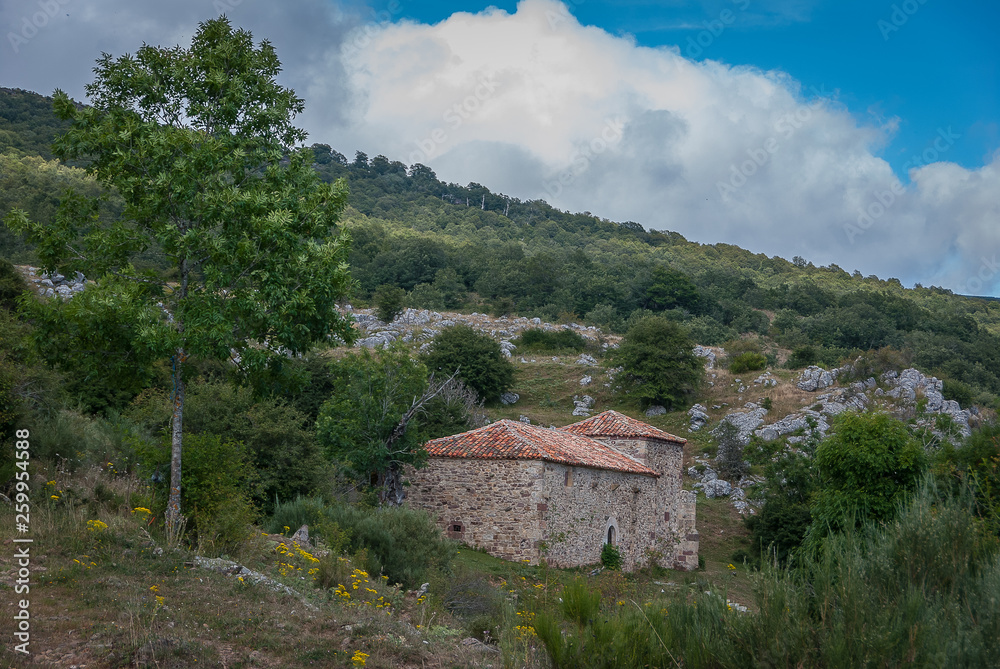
(676, 536)
(514, 508)
(581, 503)
(495, 505)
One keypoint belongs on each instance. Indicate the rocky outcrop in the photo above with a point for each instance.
(582, 405)
(745, 421)
(698, 417)
(708, 354)
(815, 378)
(52, 285)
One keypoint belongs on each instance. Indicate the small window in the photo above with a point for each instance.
(611, 535)
(456, 528)
(569, 478)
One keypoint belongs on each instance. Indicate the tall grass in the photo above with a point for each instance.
(921, 591)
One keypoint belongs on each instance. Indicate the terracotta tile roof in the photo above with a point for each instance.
(511, 440)
(614, 424)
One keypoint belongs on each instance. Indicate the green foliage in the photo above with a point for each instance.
(275, 435)
(27, 123)
(477, 357)
(917, 591)
(867, 466)
(12, 285)
(611, 557)
(219, 478)
(97, 341)
(802, 356)
(389, 302)
(958, 391)
(747, 362)
(399, 542)
(535, 339)
(659, 366)
(372, 391)
(196, 142)
(671, 289)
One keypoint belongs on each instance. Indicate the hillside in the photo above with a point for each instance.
(841, 435)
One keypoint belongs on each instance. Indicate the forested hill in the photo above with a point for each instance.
(443, 245)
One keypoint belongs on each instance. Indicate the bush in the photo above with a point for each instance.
(747, 362)
(659, 366)
(12, 284)
(276, 436)
(215, 496)
(611, 557)
(399, 542)
(536, 339)
(961, 392)
(388, 301)
(867, 467)
(477, 357)
(802, 356)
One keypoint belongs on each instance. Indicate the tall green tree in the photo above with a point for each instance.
(659, 366)
(371, 424)
(198, 142)
(866, 466)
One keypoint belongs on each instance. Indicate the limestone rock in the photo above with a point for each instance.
(718, 488)
(815, 378)
(587, 360)
(509, 398)
(586, 381)
(655, 410)
(698, 417)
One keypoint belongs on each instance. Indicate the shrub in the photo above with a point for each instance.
(802, 356)
(218, 479)
(611, 557)
(867, 467)
(399, 542)
(275, 435)
(12, 284)
(658, 364)
(477, 357)
(537, 339)
(747, 362)
(961, 392)
(388, 301)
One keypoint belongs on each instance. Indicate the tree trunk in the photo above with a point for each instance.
(390, 488)
(174, 500)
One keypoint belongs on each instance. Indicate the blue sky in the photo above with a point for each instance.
(939, 68)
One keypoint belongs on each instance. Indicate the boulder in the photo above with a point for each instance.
(718, 488)
(655, 410)
(509, 398)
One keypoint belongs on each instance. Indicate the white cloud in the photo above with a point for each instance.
(535, 104)
(719, 153)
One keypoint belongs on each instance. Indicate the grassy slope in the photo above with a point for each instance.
(92, 602)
